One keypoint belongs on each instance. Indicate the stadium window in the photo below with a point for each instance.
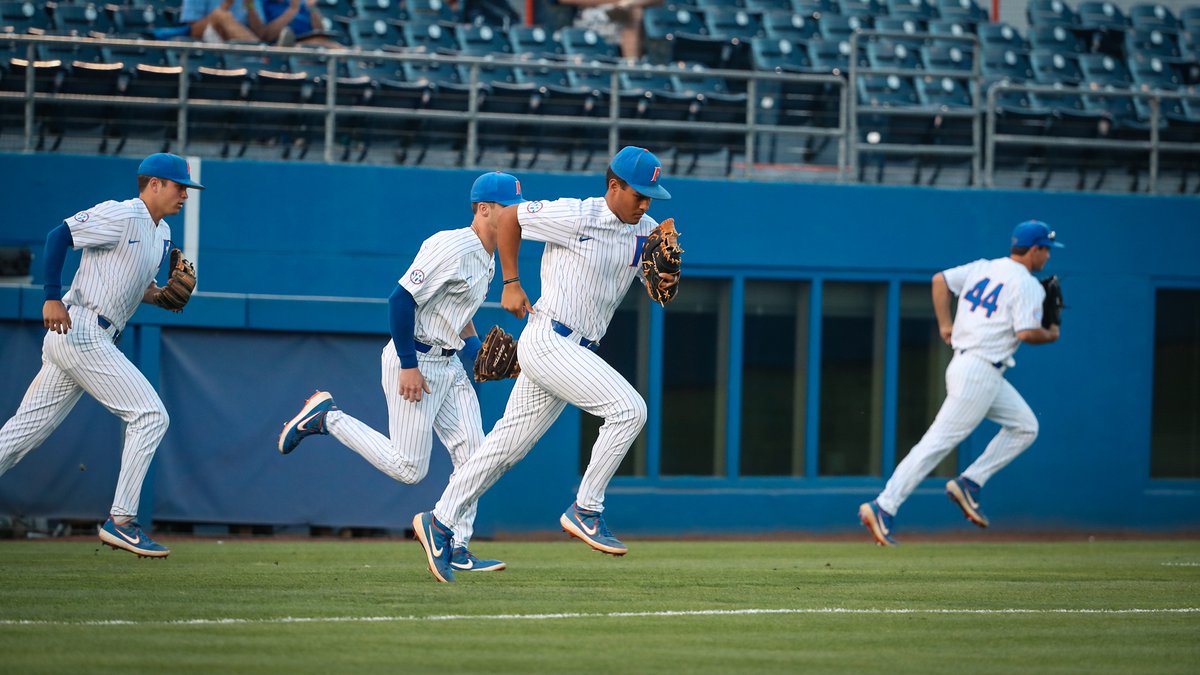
(923, 358)
(774, 378)
(696, 332)
(1175, 417)
(624, 348)
(852, 348)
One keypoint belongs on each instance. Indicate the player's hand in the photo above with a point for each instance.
(55, 316)
(945, 332)
(412, 383)
(514, 300)
(226, 4)
(1053, 330)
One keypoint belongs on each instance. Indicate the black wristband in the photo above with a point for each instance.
(512, 280)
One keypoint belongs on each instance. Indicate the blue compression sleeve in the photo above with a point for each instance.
(402, 316)
(57, 243)
(470, 349)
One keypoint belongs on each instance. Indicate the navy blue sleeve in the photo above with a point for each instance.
(470, 349)
(402, 317)
(57, 243)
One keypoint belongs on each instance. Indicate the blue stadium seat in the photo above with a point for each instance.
(836, 28)
(943, 92)
(1051, 67)
(706, 5)
(371, 33)
(584, 74)
(1005, 63)
(481, 40)
(433, 10)
(1152, 42)
(780, 55)
(790, 26)
(537, 72)
(923, 10)
(567, 148)
(1152, 73)
(966, 11)
(908, 25)
(1105, 71)
(1153, 16)
(134, 21)
(954, 27)
(535, 41)
(862, 8)
(1056, 37)
(767, 6)
(833, 56)
(505, 138)
(1050, 12)
(84, 20)
(23, 16)
(588, 44)
(948, 55)
(668, 106)
(889, 53)
(384, 10)
(646, 78)
(678, 33)
(1001, 35)
(737, 24)
(432, 36)
(332, 9)
(1106, 24)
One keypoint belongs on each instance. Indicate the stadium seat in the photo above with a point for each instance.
(556, 147)
(83, 20)
(1050, 12)
(535, 41)
(539, 72)
(839, 28)
(1153, 16)
(585, 74)
(878, 93)
(706, 5)
(385, 10)
(1051, 67)
(432, 36)
(948, 55)
(1001, 36)
(734, 24)
(868, 9)
(764, 7)
(907, 25)
(1105, 23)
(133, 21)
(433, 11)
(646, 78)
(833, 57)
(818, 7)
(371, 33)
(1151, 74)
(944, 95)
(482, 41)
(889, 53)
(1056, 37)
(501, 141)
(1152, 42)
(954, 27)
(1103, 70)
(588, 44)
(966, 11)
(922, 10)
(677, 33)
(789, 26)
(332, 9)
(23, 16)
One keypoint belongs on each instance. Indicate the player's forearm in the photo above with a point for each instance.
(508, 244)
(941, 301)
(149, 293)
(402, 321)
(57, 242)
(1039, 336)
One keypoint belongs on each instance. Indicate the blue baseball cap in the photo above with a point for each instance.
(170, 167)
(1034, 233)
(641, 169)
(502, 188)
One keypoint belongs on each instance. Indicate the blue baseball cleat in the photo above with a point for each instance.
(878, 521)
(435, 538)
(309, 421)
(131, 538)
(965, 493)
(589, 527)
(463, 560)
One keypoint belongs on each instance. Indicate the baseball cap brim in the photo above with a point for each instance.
(651, 191)
(510, 202)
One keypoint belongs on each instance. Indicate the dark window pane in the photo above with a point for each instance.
(921, 373)
(624, 348)
(852, 335)
(1175, 420)
(696, 333)
(774, 378)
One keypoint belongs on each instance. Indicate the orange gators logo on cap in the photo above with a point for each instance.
(654, 178)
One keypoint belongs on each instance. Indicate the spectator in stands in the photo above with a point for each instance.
(619, 22)
(223, 20)
(295, 21)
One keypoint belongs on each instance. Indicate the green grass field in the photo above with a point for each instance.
(332, 607)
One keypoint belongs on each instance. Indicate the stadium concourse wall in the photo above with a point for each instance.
(243, 356)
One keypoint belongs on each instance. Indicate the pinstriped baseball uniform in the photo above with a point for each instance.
(996, 300)
(589, 261)
(122, 252)
(448, 279)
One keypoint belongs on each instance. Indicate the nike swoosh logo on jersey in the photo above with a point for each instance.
(126, 537)
(584, 238)
(134, 241)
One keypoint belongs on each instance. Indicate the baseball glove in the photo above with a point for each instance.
(497, 358)
(180, 284)
(1052, 306)
(660, 255)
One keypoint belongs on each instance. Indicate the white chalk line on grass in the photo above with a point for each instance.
(588, 615)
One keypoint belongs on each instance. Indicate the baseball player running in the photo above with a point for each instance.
(1001, 308)
(426, 388)
(124, 244)
(592, 254)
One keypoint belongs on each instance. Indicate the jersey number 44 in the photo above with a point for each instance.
(979, 296)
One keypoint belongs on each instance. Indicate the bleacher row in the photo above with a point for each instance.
(933, 50)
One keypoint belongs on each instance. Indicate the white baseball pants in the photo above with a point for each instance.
(975, 389)
(87, 360)
(452, 410)
(555, 371)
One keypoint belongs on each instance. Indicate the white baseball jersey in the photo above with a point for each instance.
(589, 261)
(996, 300)
(591, 257)
(122, 252)
(448, 278)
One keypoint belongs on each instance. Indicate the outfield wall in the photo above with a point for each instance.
(245, 353)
